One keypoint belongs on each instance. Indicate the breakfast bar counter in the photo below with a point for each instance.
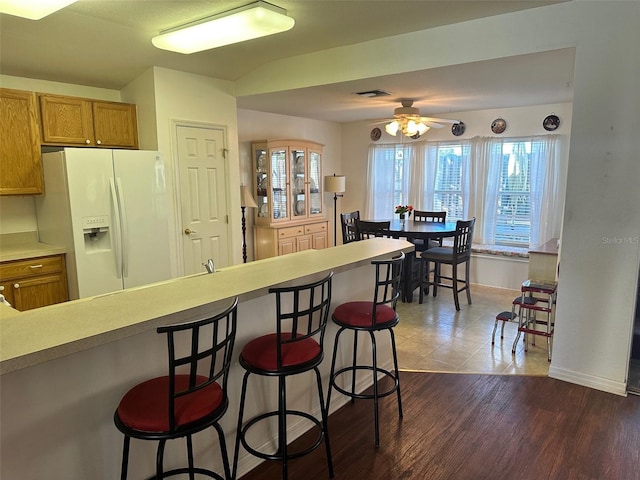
(64, 367)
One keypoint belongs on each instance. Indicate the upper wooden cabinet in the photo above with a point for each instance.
(20, 163)
(80, 121)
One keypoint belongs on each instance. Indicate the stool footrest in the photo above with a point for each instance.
(367, 396)
(188, 471)
(279, 456)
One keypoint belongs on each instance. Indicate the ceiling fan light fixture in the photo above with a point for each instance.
(392, 128)
(258, 19)
(33, 9)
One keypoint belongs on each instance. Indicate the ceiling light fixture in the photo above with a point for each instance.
(407, 120)
(255, 20)
(33, 9)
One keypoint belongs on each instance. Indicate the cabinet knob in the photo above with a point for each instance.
(99, 142)
(1, 288)
(16, 285)
(87, 141)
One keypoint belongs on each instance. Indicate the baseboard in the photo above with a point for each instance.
(591, 381)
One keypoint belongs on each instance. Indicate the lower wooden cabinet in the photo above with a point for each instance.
(275, 241)
(34, 283)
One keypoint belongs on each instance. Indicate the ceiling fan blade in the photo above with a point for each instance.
(433, 124)
(438, 120)
(378, 122)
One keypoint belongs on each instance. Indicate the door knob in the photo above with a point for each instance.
(188, 231)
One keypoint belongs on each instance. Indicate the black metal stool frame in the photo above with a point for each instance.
(317, 310)
(387, 292)
(219, 352)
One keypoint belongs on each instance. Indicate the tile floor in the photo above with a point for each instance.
(433, 337)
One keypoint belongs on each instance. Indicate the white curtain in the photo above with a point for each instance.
(489, 158)
(545, 187)
(379, 202)
(423, 176)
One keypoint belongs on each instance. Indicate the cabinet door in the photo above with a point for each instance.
(303, 242)
(287, 245)
(279, 183)
(6, 289)
(115, 124)
(319, 240)
(20, 145)
(315, 184)
(39, 291)
(66, 120)
(299, 183)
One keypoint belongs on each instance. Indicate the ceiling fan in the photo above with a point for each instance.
(407, 120)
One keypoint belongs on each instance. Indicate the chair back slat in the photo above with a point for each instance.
(209, 353)
(463, 238)
(301, 312)
(426, 216)
(387, 286)
(367, 229)
(349, 230)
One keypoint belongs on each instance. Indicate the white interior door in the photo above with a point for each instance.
(203, 196)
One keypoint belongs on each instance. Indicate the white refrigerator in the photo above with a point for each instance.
(109, 209)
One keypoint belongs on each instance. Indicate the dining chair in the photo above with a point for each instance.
(454, 256)
(349, 229)
(426, 216)
(366, 229)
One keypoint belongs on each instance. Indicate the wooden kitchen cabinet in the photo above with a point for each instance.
(79, 121)
(20, 145)
(34, 283)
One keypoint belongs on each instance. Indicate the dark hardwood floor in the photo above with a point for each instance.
(465, 426)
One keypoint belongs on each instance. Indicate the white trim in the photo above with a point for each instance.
(591, 381)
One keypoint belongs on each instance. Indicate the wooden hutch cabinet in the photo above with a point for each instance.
(288, 189)
(84, 122)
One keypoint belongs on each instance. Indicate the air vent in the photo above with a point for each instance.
(373, 93)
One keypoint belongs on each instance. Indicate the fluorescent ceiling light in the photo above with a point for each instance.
(255, 20)
(32, 9)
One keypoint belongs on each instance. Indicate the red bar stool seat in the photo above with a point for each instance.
(296, 347)
(182, 404)
(371, 317)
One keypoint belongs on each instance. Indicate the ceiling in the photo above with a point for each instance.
(107, 43)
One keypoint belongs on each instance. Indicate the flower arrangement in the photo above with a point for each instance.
(404, 210)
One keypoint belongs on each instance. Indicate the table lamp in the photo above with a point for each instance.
(335, 184)
(246, 200)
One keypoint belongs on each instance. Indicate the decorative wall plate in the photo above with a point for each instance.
(458, 128)
(376, 133)
(499, 125)
(551, 122)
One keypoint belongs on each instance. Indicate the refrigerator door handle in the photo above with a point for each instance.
(125, 229)
(118, 234)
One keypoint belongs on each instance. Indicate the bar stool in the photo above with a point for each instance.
(192, 397)
(296, 347)
(536, 298)
(371, 316)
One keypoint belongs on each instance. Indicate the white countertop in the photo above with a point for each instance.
(24, 245)
(35, 336)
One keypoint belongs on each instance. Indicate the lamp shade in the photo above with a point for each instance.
(246, 198)
(258, 19)
(334, 183)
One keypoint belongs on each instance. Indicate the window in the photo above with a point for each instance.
(448, 196)
(513, 187)
(513, 202)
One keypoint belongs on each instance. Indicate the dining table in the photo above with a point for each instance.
(412, 230)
